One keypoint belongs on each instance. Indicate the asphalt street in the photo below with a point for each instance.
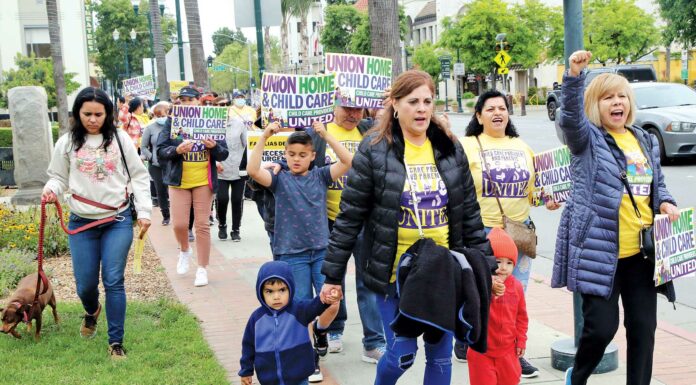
(680, 176)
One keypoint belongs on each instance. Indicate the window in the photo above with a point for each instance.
(37, 42)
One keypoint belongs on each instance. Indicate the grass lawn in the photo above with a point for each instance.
(163, 341)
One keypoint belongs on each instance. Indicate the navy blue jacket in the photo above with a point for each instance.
(587, 244)
(276, 344)
(172, 163)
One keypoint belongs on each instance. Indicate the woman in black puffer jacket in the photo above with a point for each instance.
(377, 196)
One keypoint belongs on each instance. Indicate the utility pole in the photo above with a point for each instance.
(259, 37)
(179, 42)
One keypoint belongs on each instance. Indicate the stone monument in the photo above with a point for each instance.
(32, 142)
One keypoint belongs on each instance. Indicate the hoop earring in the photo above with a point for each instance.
(396, 114)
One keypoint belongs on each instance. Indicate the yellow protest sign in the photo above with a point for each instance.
(275, 145)
(176, 85)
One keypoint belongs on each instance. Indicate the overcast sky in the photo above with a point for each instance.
(214, 14)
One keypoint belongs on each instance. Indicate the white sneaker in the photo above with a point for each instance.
(335, 343)
(201, 277)
(182, 267)
(316, 376)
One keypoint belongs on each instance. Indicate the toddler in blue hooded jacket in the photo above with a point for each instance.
(276, 343)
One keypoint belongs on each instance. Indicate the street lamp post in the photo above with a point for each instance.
(500, 38)
(117, 35)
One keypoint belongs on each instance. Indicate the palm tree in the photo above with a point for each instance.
(162, 83)
(384, 29)
(267, 46)
(284, 46)
(198, 63)
(300, 9)
(57, 56)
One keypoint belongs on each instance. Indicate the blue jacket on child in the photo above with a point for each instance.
(276, 343)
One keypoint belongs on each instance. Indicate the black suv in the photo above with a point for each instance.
(634, 73)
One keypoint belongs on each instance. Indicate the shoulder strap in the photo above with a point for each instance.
(123, 156)
(624, 179)
(488, 172)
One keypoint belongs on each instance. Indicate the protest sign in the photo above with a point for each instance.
(274, 149)
(141, 86)
(175, 86)
(198, 122)
(360, 80)
(675, 246)
(296, 101)
(552, 180)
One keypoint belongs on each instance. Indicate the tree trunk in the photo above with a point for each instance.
(304, 44)
(384, 30)
(284, 45)
(668, 62)
(267, 47)
(162, 83)
(58, 70)
(198, 63)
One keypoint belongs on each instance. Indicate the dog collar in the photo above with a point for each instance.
(19, 307)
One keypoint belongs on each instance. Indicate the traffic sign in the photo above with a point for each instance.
(685, 65)
(445, 65)
(503, 71)
(219, 68)
(459, 69)
(502, 59)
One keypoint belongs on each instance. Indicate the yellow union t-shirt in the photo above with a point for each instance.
(511, 165)
(640, 177)
(245, 115)
(195, 167)
(350, 139)
(431, 193)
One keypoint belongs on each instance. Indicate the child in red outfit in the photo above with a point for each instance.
(507, 322)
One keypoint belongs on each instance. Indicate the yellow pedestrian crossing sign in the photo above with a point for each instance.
(503, 71)
(502, 59)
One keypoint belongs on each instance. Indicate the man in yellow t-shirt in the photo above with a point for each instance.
(348, 128)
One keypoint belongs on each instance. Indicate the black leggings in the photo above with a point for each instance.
(223, 198)
(633, 281)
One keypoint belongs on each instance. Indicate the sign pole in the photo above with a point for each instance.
(459, 88)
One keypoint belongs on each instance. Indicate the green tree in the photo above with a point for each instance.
(119, 15)
(425, 57)
(474, 33)
(618, 31)
(532, 37)
(221, 38)
(34, 72)
(361, 40)
(681, 21)
(340, 22)
(236, 54)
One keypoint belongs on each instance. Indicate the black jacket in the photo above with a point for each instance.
(372, 197)
(173, 164)
(438, 293)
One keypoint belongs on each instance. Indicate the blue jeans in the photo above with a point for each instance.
(306, 270)
(373, 334)
(401, 351)
(523, 267)
(104, 246)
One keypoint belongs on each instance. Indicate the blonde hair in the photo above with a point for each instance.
(162, 105)
(602, 85)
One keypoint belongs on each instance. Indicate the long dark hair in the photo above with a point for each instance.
(402, 87)
(78, 132)
(475, 128)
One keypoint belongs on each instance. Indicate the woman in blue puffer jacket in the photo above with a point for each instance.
(598, 247)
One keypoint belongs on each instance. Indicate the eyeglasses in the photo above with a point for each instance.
(224, 104)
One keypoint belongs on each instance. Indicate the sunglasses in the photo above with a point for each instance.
(224, 104)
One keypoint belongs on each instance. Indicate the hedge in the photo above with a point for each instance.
(6, 136)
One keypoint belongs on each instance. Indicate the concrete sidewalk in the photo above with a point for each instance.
(224, 306)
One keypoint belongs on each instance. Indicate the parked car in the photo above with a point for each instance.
(668, 111)
(634, 73)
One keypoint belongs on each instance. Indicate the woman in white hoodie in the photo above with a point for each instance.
(95, 162)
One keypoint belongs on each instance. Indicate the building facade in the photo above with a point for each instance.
(24, 30)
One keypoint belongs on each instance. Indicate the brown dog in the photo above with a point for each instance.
(19, 309)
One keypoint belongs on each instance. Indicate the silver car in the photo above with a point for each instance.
(668, 111)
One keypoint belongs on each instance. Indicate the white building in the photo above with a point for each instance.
(315, 52)
(24, 29)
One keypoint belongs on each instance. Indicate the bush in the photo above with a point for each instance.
(5, 123)
(6, 135)
(470, 104)
(532, 91)
(20, 230)
(15, 264)
(468, 95)
(439, 102)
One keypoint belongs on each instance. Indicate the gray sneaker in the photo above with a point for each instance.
(373, 356)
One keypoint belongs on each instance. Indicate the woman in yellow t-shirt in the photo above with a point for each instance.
(510, 170)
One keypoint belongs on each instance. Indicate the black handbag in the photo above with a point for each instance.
(131, 197)
(645, 236)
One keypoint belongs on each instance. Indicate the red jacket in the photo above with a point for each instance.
(508, 321)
